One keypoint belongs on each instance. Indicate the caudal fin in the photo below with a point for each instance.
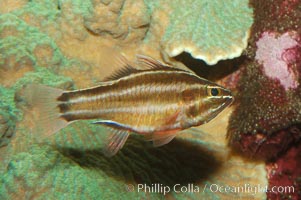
(44, 102)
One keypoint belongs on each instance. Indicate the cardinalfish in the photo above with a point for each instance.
(156, 102)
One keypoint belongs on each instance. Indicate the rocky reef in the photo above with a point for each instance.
(66, 44)
(269, 94)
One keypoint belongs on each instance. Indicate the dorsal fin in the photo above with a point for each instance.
(125, 71)
(151, 63)
(124, 66)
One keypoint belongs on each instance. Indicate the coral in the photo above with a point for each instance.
(11, 5)
(268, 147)
(175, 30)
(269, 95)
(126, 20)
(7, 117)
(7, 130)
(269, 88)
(276, 16)
(206, 31)
(34, 49)
(264, 104)
(27, 55)
(286, 171)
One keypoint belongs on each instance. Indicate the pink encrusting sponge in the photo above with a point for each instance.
(278, 56)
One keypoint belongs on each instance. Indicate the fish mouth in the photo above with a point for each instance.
(228, 100)
(228, 97)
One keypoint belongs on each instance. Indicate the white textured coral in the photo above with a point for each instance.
(276, 54)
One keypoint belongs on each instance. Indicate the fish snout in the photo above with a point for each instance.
(226, 96)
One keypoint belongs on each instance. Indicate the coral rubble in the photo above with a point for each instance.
(285, 171)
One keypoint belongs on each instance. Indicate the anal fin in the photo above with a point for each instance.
(115, 141)
(117, 137)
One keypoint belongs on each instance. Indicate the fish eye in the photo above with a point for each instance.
(213, 91)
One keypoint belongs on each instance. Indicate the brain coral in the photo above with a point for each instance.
(119, 21)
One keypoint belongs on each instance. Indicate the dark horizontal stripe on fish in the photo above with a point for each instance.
(155, 108)
(155, 88)
(154, 81)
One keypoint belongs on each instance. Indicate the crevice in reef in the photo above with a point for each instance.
(211, 72)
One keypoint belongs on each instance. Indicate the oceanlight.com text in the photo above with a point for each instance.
(214, 188)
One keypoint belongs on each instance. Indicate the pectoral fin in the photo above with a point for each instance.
(117, 138)
(161, 137)
(163, 141)
(172, 119)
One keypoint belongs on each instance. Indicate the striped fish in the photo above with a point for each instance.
(156, 102)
